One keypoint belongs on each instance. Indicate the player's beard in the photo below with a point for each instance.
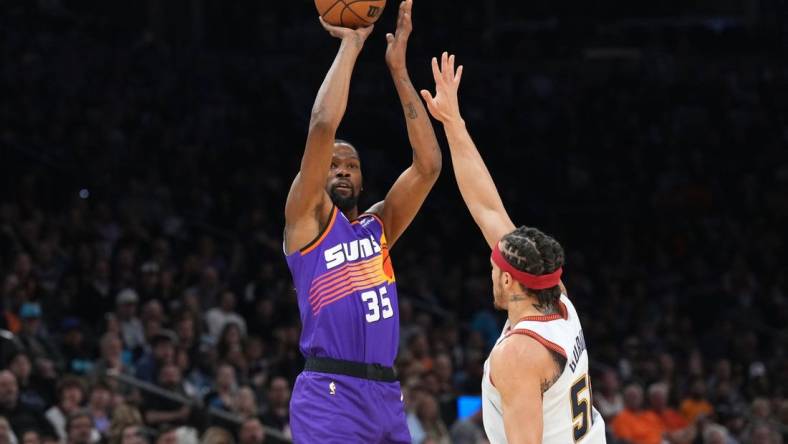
(344, 203)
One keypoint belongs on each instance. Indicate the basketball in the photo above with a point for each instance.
(350, 13)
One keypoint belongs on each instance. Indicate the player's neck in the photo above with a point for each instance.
(520, 307)
(352, 214)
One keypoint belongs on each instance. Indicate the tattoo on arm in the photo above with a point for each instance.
(410, 111)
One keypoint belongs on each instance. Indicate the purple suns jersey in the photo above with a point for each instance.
(347, 294)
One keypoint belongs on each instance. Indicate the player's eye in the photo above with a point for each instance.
(333, 166)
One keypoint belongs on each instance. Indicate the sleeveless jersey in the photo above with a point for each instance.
(567, 409)
(347, 294)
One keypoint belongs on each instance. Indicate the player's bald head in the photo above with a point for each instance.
(345, 148)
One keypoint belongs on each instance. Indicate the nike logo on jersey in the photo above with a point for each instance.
(350, 251)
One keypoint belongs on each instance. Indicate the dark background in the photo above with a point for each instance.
(648, 137)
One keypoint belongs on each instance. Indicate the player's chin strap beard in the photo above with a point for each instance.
(345, 204)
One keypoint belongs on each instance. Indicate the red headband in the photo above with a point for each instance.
(532, 281)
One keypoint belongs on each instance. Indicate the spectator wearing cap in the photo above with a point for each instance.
(131, 329)
(218, 317)
(162, 353)
(34, 339)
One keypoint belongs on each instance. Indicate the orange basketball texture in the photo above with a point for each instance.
(350, 13)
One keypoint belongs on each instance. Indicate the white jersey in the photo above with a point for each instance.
(567, 411)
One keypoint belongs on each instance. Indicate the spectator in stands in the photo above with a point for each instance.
(32, 393)
(79, 427)
(607, 396)
(30, 437)
(429, 422)
(124, 416)
(468, 431)
(21, 417)
(226, 389)
(251, 431)
(77, 353)
(131, 328)
(70, 395)
(230, 341)
(168, 436)
(245, 403)
(715, 434)
(100, 407)
(277, 413)
(5, 431)
(37, 343)
(162, 353)
(218, 318)
(132, 434)
(696, 406)
(161, 410)
(111, 358)
(677, 429)
(217, 435)
(633, 423)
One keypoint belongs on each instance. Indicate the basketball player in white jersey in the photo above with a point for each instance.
(536, 387)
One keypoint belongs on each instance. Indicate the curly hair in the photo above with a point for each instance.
(532, 251)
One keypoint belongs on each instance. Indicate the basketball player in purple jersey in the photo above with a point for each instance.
(347, 294)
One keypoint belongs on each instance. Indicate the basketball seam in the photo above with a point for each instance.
(347, 7)
(330, 8)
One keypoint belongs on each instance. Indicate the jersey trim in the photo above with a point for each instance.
(564, 314)
(548, 344)
(314, 244)
(358, 219)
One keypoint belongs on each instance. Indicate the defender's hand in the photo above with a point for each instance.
(357, 36)
(444, 106)
(398, 42)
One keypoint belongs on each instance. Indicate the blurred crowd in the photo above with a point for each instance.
(145, 297)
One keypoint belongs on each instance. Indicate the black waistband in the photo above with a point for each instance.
(374, 372)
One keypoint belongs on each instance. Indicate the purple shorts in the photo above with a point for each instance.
(338, 409)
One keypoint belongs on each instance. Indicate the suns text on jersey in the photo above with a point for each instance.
(350, 251)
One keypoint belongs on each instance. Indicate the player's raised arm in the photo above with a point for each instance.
(308, 205)
(411, 188)
(474, 180)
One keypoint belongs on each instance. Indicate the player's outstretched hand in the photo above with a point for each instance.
(398, 42)
(445, 105)
(358, 36)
